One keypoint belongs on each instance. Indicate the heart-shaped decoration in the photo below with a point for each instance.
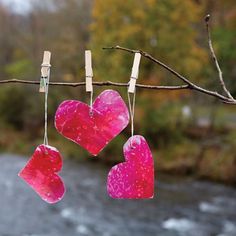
(93, 128)
(40, 173)
(134, 178)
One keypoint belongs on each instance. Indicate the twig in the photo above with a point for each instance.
(106, 83)
(207, 19)
(190, 84)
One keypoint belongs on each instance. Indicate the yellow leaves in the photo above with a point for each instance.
(139, 14)
(151, 3)
(130, 31)
(68, 77)
(201, 56)
(163, 28)
(185, 13)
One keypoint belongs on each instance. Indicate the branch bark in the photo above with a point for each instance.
(95, 83)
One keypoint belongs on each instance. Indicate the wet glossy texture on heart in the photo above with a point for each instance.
(93, 128)
(40, 173)
(134, 178)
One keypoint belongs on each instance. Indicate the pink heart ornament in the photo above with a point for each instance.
(134, 178)
(92, 128)
(40, 173)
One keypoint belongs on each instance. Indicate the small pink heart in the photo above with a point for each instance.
(40, 173)
(133, 179)
(92, 128)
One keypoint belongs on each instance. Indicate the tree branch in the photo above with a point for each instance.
(207, 19)
(106, 83)
(190, 84)
(229, 99)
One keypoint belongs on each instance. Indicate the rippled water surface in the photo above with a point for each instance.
(181, 207)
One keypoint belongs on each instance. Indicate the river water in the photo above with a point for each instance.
(181, 207)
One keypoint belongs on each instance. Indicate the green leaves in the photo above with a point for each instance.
(20, 68)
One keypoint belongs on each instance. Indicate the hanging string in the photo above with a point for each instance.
(131, 110)
(91, 99)
(46, 80)
(91, 103)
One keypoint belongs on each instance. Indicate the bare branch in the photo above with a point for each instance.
(106, 83)
(207, 19)
(190, 84)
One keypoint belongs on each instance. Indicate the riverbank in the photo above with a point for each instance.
(206, 158)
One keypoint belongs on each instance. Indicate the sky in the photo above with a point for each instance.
(19, 6)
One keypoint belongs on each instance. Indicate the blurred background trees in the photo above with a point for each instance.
(177, 124)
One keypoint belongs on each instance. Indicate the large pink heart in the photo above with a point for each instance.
(93, 128)
(40, 173)
(133, 179)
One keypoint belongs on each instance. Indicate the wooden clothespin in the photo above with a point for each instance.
(45, 71)
(135, 72)
(88, 71)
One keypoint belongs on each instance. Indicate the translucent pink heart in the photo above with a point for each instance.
(134, 178)
(93, 128)
(40, 173)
